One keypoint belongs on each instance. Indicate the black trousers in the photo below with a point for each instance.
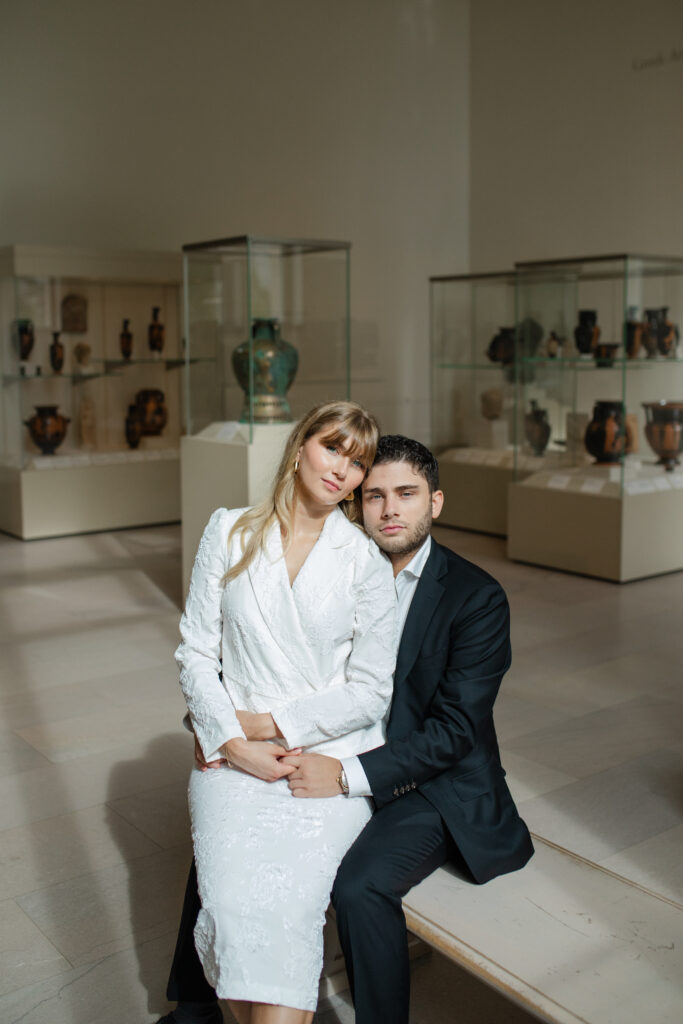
(401, 844)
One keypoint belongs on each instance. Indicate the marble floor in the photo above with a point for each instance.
(93, 763)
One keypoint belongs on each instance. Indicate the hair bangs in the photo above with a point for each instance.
(357, 438)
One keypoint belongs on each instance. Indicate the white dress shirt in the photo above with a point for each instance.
(406, 585)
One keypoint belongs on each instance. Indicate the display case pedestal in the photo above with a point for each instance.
(475, 483)
(581, 521)
(58, 495)
(226, 465)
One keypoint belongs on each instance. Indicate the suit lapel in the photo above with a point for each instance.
(425, 601)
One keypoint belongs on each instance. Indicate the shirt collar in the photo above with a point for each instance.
(419, 560)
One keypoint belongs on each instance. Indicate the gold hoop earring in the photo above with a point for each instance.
(350, 497)
(296, 465)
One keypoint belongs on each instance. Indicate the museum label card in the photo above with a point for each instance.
(640, 487)
(558, 481)
(592, 485)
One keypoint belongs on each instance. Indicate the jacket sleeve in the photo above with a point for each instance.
(366, 693)
(199, 655)
(478, 657)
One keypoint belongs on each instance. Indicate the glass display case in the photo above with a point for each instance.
(268, 321)
(91, 361)
(268, 332)
(600, 410)
(475, 427)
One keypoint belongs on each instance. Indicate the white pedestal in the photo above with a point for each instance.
(221, 468)
(580, 521)
(60, 495)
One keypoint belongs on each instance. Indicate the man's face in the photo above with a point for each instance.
(398, 508)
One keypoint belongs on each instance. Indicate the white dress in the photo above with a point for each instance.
(319, 655)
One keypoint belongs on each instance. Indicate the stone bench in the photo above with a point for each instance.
(569, 941)
(564, 938)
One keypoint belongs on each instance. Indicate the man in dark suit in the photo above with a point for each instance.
(438, 785)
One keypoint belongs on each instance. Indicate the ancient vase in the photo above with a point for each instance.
(155, 332)
(25, 337)
(553, 345)
(537, 428)
(151, 407)
(126, 340)
(56, 353)
(133, 426)
(275, 363)
(607, 433)
(47, 428)
(662, 333)
(633, 333)
(587, 332)
(664, 431)
(502, 346)
(604, 353)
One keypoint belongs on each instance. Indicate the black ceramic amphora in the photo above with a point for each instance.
(126, 340)
(47, 428)
(537, 428)
(56, 353)
(587, 332)
(607, 434)
(662, 334)
(25, 336)
(155, 331)
(664, 431)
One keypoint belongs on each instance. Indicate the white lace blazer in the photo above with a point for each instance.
(319, 655)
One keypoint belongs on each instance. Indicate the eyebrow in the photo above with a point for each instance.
(382, 490)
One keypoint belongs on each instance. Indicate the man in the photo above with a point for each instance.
(438, 785)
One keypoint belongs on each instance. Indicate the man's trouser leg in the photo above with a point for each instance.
(186, 982)
(403, 843)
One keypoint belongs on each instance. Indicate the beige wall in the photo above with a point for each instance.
(577, 129)
(150, 123)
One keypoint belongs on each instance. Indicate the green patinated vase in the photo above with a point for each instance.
(275, 364)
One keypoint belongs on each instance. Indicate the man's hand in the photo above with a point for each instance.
(199, 758)
(258, 726)
(259, 759)
(314, 775)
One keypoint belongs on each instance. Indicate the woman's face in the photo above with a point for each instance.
(326, 474)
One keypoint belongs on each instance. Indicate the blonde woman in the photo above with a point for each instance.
(289, 636)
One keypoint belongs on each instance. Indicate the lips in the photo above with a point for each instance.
(394, 528)
(331, 486)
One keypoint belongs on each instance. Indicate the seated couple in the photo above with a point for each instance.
(340, 669)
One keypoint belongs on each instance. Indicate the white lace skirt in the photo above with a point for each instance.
(266, 862)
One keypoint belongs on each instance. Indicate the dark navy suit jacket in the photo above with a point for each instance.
(441, 740)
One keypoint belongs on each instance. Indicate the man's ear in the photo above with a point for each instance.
(437, 503)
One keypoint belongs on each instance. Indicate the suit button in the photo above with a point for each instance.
(413, 785)
(403, 789)
(395, 791)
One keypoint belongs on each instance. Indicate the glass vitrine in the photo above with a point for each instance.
(267, 326)
(600, 401)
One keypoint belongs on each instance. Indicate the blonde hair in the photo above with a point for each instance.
(340, 423)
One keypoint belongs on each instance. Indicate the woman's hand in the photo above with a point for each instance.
(258, 726)
(259, 759)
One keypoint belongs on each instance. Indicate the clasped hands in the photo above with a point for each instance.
(308, 775)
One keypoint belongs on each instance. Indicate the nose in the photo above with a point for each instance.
(388, 510)
(341, 467)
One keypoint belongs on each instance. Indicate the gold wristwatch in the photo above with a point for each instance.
(342, 782)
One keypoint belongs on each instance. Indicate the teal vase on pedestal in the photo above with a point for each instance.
(275, 363)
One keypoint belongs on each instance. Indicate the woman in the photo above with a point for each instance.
(290, 622)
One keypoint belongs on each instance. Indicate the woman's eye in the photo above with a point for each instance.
(332, 448)
(358, 464)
